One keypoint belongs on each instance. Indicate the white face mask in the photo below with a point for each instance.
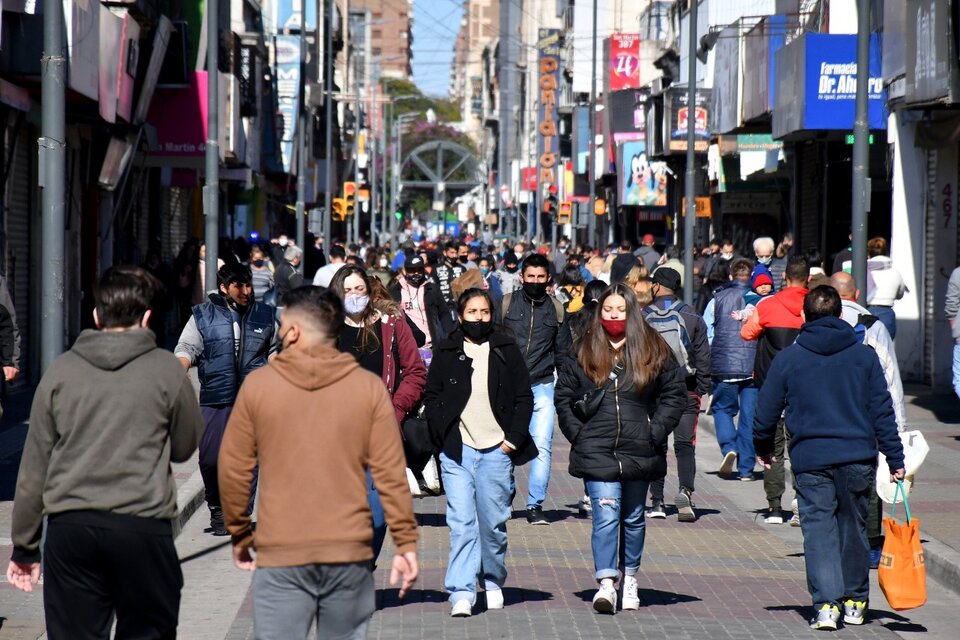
(355, 305)
(383, 263)
(726, 256)
(765, 261)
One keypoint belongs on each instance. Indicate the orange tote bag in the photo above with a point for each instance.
(902, 573)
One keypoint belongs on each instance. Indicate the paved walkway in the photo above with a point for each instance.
(726, 576)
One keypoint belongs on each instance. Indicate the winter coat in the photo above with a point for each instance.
(838, 408)
(444, 274)
(449, 387)
(222, 368)
(951, 305)
(730, 355)
(774, 325)
(404, 374)
(627, 438)
(649, 256)
(543, 337)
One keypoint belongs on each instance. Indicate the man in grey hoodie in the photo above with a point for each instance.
(107, 419)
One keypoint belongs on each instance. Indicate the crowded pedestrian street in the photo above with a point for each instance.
(726, 576)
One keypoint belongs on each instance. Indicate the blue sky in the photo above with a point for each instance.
(435, 26)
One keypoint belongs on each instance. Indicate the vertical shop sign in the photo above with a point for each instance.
(548, 144)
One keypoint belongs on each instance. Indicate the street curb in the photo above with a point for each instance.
(189, 500)
(942, 562)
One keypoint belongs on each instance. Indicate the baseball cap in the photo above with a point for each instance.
(648, 239)
(413, 262)
(667, 277)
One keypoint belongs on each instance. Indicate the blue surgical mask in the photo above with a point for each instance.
(484, 271)
(356, 305)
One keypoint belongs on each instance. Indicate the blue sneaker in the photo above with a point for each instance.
(875, 553)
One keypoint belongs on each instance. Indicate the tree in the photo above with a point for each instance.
(445, 110)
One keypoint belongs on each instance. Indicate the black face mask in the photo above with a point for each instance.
(477, 331)
(258, 263)
(416, 279)
(511, 268)
(535, 290)
(463, 259)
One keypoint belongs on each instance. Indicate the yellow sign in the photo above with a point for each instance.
(703, 206)
(599, 206)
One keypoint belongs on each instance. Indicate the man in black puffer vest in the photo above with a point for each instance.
(228, 336)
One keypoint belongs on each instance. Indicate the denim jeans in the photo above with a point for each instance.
(833, 515)
(478, 489)
(616, 505)
(729, 399)
(339, 598)
(956, 368)
(541, 430)
(379, 520)
(887, 316)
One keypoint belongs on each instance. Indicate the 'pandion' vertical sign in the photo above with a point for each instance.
(548, 146)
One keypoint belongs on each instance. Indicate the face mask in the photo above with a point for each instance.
(280, 346)
(477, 331)
(765, 261)
(511, 269)
(519, 255)
(615, 329)
(416, 279)
(484, 271)
(726, 256)
(463, 259)
(355, 305)
(535, 290)
(258, 263)
(383, 263)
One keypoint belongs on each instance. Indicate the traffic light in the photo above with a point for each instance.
(339, 210)
(599, 206)
(564, 213)
(398, 215)
(349, 197)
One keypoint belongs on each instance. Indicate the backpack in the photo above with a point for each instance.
(508, 298)
(669, 324)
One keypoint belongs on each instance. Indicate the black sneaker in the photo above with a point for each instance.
(217, 526)
(656, 510)
(535, 515)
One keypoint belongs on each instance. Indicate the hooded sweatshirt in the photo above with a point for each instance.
(107, 419)
(775, 326)
(315, 421)
(837, 404)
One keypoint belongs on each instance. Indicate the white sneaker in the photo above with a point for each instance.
(605, 601)
(728, 464)
(631, 599)
(461, 609)
(773, 516)
(795, 518)
(494, 598)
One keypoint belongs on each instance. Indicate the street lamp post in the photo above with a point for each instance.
(211, 187)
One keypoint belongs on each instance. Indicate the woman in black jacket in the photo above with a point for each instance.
(478, 406)
(621, 447)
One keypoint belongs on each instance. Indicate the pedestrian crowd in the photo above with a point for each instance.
(462, 358)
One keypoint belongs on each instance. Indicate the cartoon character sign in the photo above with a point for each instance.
(644, 182)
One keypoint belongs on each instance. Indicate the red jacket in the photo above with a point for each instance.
(775, 325)
(400, 347)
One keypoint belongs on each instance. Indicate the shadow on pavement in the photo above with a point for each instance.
(431, 519)
(648, 597)
(556, 515)
(387, 598)
(944, 407)
(208, 550)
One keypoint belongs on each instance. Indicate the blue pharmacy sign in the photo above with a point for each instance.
(817, 85)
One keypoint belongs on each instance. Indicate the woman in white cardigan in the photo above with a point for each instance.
(884, 284)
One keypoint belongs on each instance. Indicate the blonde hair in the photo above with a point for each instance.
(637, 281)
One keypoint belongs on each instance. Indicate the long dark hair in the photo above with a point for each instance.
(644, 353)
(368, 336)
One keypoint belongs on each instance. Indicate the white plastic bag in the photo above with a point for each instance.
(431, 480)
(915, 450)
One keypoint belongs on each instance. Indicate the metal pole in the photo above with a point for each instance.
(690, 219)
(356, 150)
(211, 187)
(861, 152)
(374, 201)
(328, 134)
(399, 164)
(53, 147)
(302, 137)
(592, 219)
(387, 222)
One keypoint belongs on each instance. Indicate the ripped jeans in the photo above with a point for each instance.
(616, 505)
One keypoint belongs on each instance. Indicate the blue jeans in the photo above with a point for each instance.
(541, 430)
(956, 368)
(833, 517)
(887, 317)
(479, 489)
(729, 399)
(616, 505)
(379, 520)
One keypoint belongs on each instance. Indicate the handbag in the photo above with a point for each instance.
(417, 443)
(902, 572)
(587, 405)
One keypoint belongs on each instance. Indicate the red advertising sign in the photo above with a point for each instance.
(624, 61)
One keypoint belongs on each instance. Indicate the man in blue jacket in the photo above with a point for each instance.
(228, 336)
(839, 411)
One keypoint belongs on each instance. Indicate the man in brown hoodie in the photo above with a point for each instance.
(316, 422)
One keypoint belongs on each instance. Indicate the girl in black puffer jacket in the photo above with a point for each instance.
(621, 447)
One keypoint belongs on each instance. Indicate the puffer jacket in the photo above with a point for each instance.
(731, 356)
(543, 337)
(627, 438)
